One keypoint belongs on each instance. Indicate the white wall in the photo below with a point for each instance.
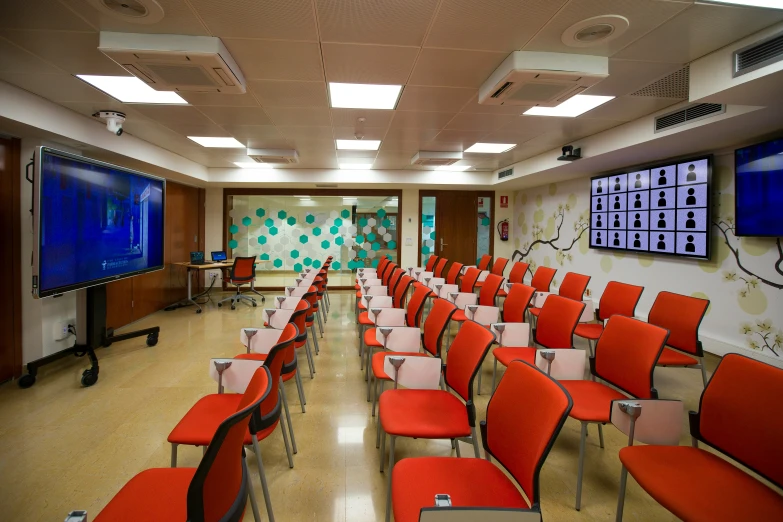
(409, 228)
(213, 225)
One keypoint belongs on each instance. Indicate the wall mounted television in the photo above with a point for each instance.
(663, 208)
(758, 189)
(93, 222)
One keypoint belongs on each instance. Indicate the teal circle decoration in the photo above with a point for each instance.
(339, 241)
(269, 222)
(425, 249)
(386, 223)
(345, 213)
(246, 221)
(307, 261)
(371, 236)
(281, 214)
(294, 254)
(363, 222)
(260, 212)
(310, 219)
(273, 231)
(233, 229)
(338, 222)
(298, 267)
(325, 244)
(336, 265)
(316, 264)
(392, 245)
(362, 254)
(376, 246)
(278, 263)
(334, 231)
(359, 240)
(262, 240)
(291, 221)
(303, 239)
(485, 221)
(381, 213)
(264, 257)
(233, 244)
(375, 262)
(316, 231)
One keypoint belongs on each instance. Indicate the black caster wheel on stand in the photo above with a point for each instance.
(198, 311)
(25, 381)
(254, 305)
(152, 339)
(220, 305)
(233, 307)
(89, 377)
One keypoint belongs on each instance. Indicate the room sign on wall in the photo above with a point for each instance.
(503, 201)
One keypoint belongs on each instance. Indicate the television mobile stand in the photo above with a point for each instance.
(94, 315)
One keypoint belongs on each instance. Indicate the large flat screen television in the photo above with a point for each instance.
(662, 208)
(758, 189)
(94, 222)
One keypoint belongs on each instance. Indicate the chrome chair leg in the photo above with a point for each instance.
(300, 389)
(252, 494)
(580, 471)
(621, 495)
(389, 478)
(264, 485)
(174, 455)
(288, 420)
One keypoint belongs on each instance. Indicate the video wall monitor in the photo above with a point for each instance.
(664, 209)
(758, 189)
(93, 222)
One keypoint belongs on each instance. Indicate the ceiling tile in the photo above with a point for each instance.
(294, 116)
(56, 87)
(369, 133)
(629, 108)
(473, 107)
(16, 60)
(76, 53)
(90, 108)
(445, 145)
(244, 133)
(626, 76)
(377, 64)
(178, 19)
(643, 15)
(277, 60)
(236, 115)
(40, 14)
(466, 137)
(407, 137)
(436, 99)
(453, 68)
(390, 22)
(269, 143)
(211, 129)
(274, 19)
(491, 25)
(420, 120)
(401, 147)
(219, 99)
(372, 117)
(699, 30)
(310, 133)
(480, 122)
(173, 114)
(276, 93)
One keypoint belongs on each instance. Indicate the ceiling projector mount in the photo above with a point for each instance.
(570, 154)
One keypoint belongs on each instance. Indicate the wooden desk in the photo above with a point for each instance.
(223, 265)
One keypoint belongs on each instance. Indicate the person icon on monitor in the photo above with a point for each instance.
(636, 242)
(599, 189)
(691, 199)
(689, 246)
(637, 223)
(617, 203)
(617, 221)
(691, 173)
(617, 184)
(598, 205)
(598, 222)
(662, 177)
(690, 223)
(662, 199)
(661, 243)
(661, 220)
(597, 238)
(616, 241)
(638, 183)
(638, 202)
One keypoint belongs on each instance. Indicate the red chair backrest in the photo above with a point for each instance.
(299, 319)
(466, 353)
(416, 304)
(517, 302)
(394, 278)
(681, 315)
(439, 266)
(557, 321)
(453, 274)
(387, 272)
(518, 271)
(619, 298)
(626, 353)
(430, 263)
(521, 440)
(216, 487)
(312, 299)
(381, 265)
(243, 269)
(739, 414)
(484, 262)
(499, 266)
(435, 325)
(490, 289)
(401, 291)
(392, 271)
(543, 278)
(573, 286)
(469, 280)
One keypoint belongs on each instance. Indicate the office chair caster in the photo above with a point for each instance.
(152, 339)
(254, 304)
(220, 305)
(26, 380)
(89, 377)
(233, 307)
(198, 311)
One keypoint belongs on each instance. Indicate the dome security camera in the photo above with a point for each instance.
(114, 120)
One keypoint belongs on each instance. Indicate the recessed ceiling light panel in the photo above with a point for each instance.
(358, 144)
(769, 4)
(490, 148)
(129, 89)
(363, 95)
(222, 143)
(572, 107)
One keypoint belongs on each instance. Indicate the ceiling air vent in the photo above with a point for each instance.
(505, 173)
(688, 115)
(273, 156)
(674, 85)
(758, 55)
(425, 158)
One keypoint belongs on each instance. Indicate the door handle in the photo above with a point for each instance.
(442, 244)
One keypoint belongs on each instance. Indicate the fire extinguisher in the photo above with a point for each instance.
(503, 230)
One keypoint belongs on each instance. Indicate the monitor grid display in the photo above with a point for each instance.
(662, 209)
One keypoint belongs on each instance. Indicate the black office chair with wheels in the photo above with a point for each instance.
(243, 272)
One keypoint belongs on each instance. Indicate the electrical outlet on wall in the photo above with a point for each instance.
(60, 331)
(408, 241)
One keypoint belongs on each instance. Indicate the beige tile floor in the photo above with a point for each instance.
(64, 447)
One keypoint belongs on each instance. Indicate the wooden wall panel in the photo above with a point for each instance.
(10, 259)
(119, 296)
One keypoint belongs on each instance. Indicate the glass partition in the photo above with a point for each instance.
(483, 224)
(427, 228)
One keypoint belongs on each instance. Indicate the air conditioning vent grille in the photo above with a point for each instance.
(688, 115)
(758, 55)
(182, 74)
(505, 173)
(674, 85)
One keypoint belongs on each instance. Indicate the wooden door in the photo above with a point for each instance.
(455, 225)
(10, 259)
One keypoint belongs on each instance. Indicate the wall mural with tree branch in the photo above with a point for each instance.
(743, 279)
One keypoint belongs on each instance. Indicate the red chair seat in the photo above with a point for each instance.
(534, 311)
(358, 294)
(469, 482)
(502, 293)
(379, 358)
(592, 400)
(361, 306)
(589, 330)
(364, 319)
(459, 316)
(696, 485)
(506, 354)
(425, 414)
(154, 494)
(370, 339)
(671, 357)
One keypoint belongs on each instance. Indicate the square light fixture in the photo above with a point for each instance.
(572, 107)
(769, 4)
(358, 144)
(222, 143)
(454, 168)
(129, 89)
(363, 95)
(252, 165)
(355, 166)
(490, 148)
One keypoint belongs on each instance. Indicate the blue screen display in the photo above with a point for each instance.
(759, 189)
(96, 222)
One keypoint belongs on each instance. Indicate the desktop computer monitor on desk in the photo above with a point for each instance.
(219, 256)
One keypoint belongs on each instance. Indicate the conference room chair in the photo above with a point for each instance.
(681, 315)
(391, 277)
(215, 490)
(439, 267)
(242, 273)
(542, 278)
(618, 298)
(517, 275)
(516, 303)
(453, 275)
(382, 274)
(572, 287)
(556, 323)
(430, 264)
(497, 269)
(200, 423)
(377, 271)
(431, 342)
(517, 432)
(484, 262)
(625, 356)
(741, 419)
(486, 296)
(312, 298)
